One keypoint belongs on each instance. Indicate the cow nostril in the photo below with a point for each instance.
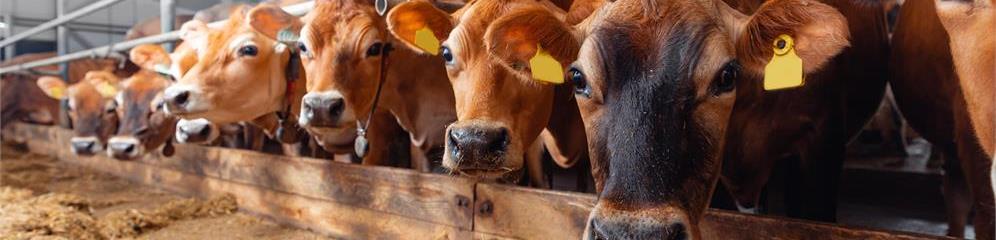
(206, 130)
(130, 148)
(335, 107)
(499, 141)
(181, 98)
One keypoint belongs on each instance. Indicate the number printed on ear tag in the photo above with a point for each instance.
(545, 68)
(427, 41)
(785, 69)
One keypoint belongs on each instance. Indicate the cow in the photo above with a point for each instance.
(353, 70)
(143, 126)
(503, 118)
(671, 96)
(941, 103)
(91, 108)
(973, 49)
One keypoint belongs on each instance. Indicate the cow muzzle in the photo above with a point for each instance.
(655, 223)
(183, 100)
(476, 149)
(196, 131)
(124, 148)
(86, 146)
(323, 109)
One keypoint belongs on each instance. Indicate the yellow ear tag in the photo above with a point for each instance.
(426, 40)
(785, 69)
(57, 93)
(545, 68)
(106, 89)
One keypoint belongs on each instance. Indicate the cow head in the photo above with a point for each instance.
(91, 108)
(238, 74)
(500, 112)
(973, 49)
(656, 83)
(144, 126)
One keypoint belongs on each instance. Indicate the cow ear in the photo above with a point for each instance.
(148, 56)
(193, 30)
(420, 25)
(533, 42)
(105, 82)
(270, 20)
(817, 32)
(54, 87)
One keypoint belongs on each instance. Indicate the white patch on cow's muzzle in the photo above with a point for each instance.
(125, 146)
(194, 101)
(748, 210)
(192, 131)
(89, 145)
(304, 117)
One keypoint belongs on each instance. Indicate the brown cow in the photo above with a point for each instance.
(91, 108)
(344, 48)
(144, 127)
(660, 84)
(945, 109)
(500, 112)
(973, 49)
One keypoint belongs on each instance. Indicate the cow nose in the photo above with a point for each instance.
(176, 98)
(472, 143)
(122, 150)
(318, 110)
(634, 229)
(84, 146)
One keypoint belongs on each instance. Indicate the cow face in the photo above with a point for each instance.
(500, 113)
(973, 49)
(91, 108)
(144, 126)
(656, 83)
(239, 75)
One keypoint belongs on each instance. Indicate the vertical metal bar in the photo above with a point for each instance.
(8, 18)
(61, 48)
(167, 13)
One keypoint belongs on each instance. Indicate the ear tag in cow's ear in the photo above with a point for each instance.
(162, 69)
(57, 92)
(545, 68)
(107, 90)
(427, 41)
(381, 6)
(785, 69)
(287, 36)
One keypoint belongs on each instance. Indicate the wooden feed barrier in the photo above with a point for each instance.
(361, 202)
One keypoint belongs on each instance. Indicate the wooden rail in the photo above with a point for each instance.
(359, 202)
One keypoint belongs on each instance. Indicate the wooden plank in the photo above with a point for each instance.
(336, 219)
(429, 197)
(540, 214)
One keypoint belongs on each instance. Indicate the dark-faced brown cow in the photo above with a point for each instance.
(937, 103)
(353, 70)
(501, 114)
(144, 127)
(91, 107)
(669, 90)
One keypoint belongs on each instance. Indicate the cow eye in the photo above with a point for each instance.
(580, 83)
(302, 47)
(726, 81)
(374, 49)
(447, 55)
(248, 50)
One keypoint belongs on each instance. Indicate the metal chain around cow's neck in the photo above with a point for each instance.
(360, 146)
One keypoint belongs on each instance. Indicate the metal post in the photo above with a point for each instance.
(8, 18)
(61, 48)
(167, 13)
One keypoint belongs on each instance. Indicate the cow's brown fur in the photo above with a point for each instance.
(491, 95)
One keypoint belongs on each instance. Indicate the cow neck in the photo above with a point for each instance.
(287, 130)
(360, 146)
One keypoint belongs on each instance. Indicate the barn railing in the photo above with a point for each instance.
(363, 202)
(297, 10)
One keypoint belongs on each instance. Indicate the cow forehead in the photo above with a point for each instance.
(332, 23)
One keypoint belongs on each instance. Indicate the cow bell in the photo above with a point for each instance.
(361, 146)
